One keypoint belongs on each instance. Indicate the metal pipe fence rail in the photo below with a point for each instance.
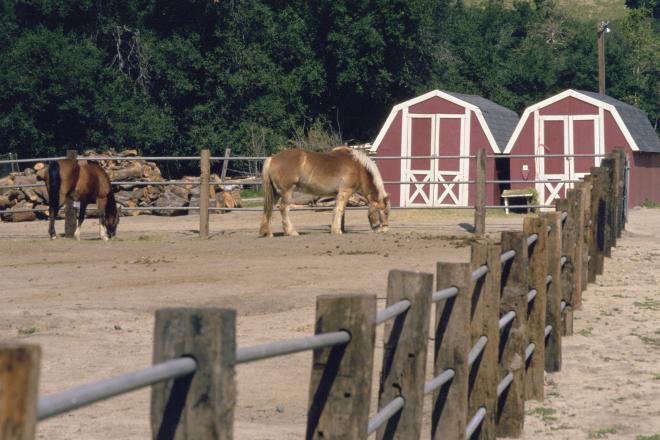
(205, 160)
(532, 276)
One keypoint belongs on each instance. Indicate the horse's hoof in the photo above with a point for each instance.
(104, 238)
(53, 237)
(292, 234)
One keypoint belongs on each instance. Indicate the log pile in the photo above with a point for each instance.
(135, 192)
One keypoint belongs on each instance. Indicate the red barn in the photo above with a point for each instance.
(440, 124)
(579, 122)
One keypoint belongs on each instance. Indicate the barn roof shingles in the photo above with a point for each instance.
(636, 121)
(501, 121)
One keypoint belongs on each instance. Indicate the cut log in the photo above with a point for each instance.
(170, 199)
(236, 195)
(129, 153)
(179, 191)
(225, 200)
(42, 214)
(19, 216)
(26, 179)
(39, 166)
(29, 194)
(5, 202)
(134, 171)
(304, 199)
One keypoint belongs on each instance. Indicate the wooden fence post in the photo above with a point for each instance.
(537, 276)
(587, 186)
(610, 205)
(569, 240)
(562, 279)
(19, 383)
(485, 322)
(70, 213)
(340, 385)
(513, 337)
(480, 201)
(204, 178)
(452, 343)
(225, 165)
(200, 405)
(620, 155)
(598, 221)
(405, 342)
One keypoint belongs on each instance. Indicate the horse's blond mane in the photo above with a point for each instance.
(372, 168)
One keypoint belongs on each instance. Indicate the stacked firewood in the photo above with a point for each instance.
(17, 200)
(136, 191)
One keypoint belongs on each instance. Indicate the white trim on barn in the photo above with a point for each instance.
(577, 95)
(432, 94)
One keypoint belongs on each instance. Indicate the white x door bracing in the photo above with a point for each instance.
(435, 135)
(565, 136)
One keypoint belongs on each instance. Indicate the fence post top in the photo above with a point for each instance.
(14, 345)
(552, 215)
(329, 296)
(193, 310)
(410, 272)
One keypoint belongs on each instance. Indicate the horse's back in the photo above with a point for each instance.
(93, 181)
(314, 172)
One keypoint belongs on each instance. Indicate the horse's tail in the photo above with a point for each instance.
(54, 184)
(269, 189)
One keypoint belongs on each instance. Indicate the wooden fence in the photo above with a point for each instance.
(496, 327)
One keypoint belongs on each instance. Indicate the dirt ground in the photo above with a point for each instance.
(90, 305)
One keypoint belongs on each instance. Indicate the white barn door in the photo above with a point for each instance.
(434, 135)
(565, 136)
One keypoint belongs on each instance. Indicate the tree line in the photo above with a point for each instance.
(173, 76)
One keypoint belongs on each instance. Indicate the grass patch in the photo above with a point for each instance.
(648, 437)
(651, 304)
(546, 413)
(649, 204)
(602, 433)
(251, 192)
(585, 331)
(357, 253)
(648, 340)
(27, 331)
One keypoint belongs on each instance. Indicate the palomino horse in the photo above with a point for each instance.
(341, 172)
(85, 182)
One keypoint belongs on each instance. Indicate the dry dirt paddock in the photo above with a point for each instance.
(90, 305)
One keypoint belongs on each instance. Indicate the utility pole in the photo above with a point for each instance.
(602, 29)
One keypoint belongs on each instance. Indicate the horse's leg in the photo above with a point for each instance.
(101, 203)
(52, 214)
(287, 197)
(337, 220)
(81, 219)
(264, 229)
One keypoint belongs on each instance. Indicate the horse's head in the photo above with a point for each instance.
(112, 220)
(379, 213)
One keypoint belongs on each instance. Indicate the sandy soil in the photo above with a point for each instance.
(90, 306)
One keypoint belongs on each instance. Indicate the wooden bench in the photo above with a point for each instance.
(509, 193)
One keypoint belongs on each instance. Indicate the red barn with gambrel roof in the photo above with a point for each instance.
(579, 122)
(440, 123)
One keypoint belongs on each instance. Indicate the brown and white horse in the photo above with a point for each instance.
(340, 172)
(84, 182)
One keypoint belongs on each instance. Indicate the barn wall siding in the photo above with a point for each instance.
(478, 141)
(390, 169)
(569, 106)
(436, 104)
(524, 144)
